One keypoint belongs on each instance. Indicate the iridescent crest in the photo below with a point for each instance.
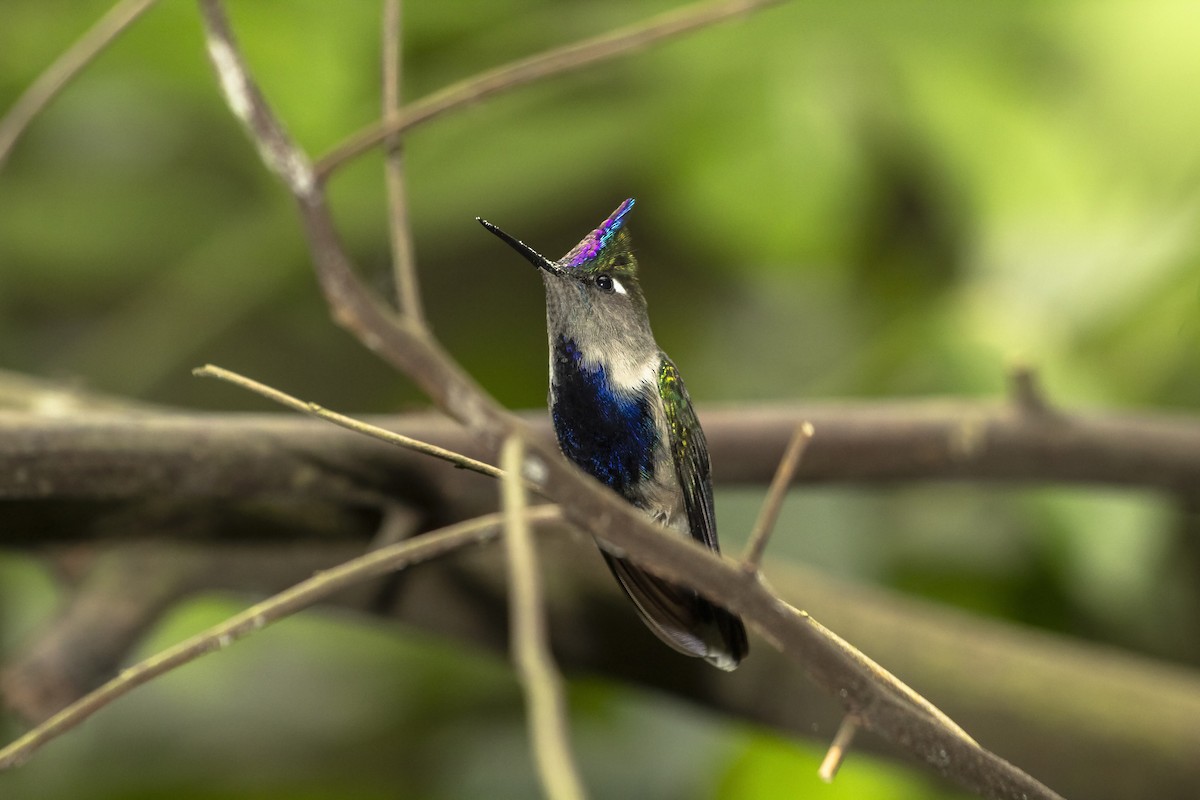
(607, 247)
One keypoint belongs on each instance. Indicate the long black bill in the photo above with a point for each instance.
(529, 254)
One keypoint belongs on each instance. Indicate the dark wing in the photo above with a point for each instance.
(689, 451)
(723, 632)
(679, 616)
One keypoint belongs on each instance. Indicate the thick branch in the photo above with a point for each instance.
(103, 455)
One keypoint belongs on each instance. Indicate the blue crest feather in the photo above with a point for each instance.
(595, 241)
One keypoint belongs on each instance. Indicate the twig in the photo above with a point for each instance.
(1026, 391)
(363, 568)
(529, 70)
(126, 587)
(404, 268)
(837, 750)
(312, 409)
(769, 513)
(55, 77)
(244, 99)
(404, 343)
(545, 706)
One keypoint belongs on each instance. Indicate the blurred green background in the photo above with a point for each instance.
(860, 200)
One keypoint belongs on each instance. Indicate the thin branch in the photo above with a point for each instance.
(279, 154)
(151, 554)
(837, 750)
(768, 515)
(372, 565)
(404, 266)
(400, 340)
(1026, 391)
(375, 432)
(554, 62)
(126, 587)
(540, 679)
(72, 61)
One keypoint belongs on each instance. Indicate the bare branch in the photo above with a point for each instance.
(126, 588)
(1029, 695)
(769, 513)
(400, 340)
(358, 426)
(546, 707)
(404, 267)
(149, 555)
(529, 70)
(244, 99)
(372, 565)
(1026, 391)
(55, 78)
(866, 690)
(102, 453)
(837, 750)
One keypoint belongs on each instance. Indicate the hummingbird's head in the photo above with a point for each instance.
(593, 290)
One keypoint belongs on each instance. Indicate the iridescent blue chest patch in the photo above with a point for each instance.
(609, 434)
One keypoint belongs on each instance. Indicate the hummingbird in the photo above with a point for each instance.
(622, 414)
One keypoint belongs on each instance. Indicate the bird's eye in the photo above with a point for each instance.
(604, 283)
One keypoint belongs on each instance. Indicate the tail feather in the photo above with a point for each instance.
(681, 618)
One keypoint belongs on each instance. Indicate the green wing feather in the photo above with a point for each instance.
(680, 617)
(689, 450)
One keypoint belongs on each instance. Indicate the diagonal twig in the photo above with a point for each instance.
(837, 750)
(312, 409)
(276, 149)
(56, 77)
(365, 567)
(771, 506)
(540, 678)
(529, 70)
